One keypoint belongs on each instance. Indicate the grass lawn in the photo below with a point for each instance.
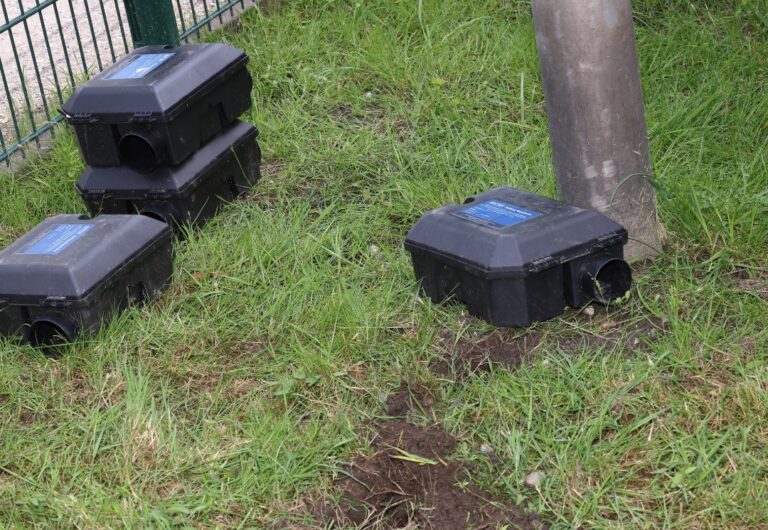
(240, 397)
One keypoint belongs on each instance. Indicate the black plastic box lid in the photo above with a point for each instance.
(166, 181)
(67, 257)
(508, 233)
(153, 82)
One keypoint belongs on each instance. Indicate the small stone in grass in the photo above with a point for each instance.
(589, 311)
(534, 479)
(486, 449)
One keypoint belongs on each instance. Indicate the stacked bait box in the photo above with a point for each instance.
(188, 194)
(158, 105)
(160, 133)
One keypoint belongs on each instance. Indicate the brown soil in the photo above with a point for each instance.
(610, 331)
(410, 481)
(389, 490)
(416, 398)
(471, 354)
(606, 329)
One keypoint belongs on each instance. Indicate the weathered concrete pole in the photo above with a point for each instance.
(594, 99)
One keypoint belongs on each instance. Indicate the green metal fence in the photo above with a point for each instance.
(49, 46)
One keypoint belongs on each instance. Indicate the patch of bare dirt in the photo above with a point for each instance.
(409, 398)
(610, 331)
(410, 481)
(592, 328)
(27, 417)
(472, 353)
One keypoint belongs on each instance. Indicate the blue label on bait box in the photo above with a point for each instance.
(56, 240)
(496, 214)
(141, 66)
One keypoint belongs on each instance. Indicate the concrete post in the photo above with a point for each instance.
(594, 100)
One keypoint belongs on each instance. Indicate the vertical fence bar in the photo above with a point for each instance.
(218, 8)
(93, 35)
(152, 22)
(207, 14)
(195, 29)
(194, 15)
(22, 79)
(50, 54)
(9, 97)
(78, 38)
(3, 148)
(107, 30)
(65, 51)
(36, 67)
(10, 109)
(181, 17)
(122, 25)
